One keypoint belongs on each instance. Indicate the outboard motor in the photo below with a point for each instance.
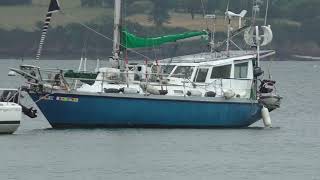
(257, 71)
(30, 112)
(267, 86)
(268, 96)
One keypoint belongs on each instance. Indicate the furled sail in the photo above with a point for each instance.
(53, 7)
(131, 41)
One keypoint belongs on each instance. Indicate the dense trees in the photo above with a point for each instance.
(160, 12)
(96, 3)
(308, 14)
(296, 24)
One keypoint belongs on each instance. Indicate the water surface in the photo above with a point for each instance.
(291, 151)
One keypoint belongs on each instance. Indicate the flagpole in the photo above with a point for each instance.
(54, 7)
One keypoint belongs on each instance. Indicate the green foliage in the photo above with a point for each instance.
(96, 3)
(306, 10)
(293, 22)
(311, 29)
(137, 7)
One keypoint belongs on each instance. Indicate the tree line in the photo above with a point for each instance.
(289, 9)
(296, 24)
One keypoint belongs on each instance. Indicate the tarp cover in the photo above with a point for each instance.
(131, 41)
(82, 75)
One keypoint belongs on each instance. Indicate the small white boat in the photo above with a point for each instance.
(10, 112)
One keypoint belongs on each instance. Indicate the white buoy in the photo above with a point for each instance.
(149, 89)
(228, 94)
(127, 90)
(152, 90)
(266, 117)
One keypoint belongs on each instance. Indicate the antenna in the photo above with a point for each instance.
(241, 15)
(266, 15)
(256, 10)
(230, 15)
(213, 31)
(229, 27)
(225, 18)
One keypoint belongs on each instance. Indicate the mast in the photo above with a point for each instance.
(258, 39)
(228, 38)
(116, 30)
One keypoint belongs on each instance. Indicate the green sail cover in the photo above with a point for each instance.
(82, 75)
(132, 41)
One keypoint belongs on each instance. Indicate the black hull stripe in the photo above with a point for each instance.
(9, 122)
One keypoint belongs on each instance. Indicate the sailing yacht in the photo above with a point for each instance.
(206, 90)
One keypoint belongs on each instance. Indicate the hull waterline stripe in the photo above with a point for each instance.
(9, 122)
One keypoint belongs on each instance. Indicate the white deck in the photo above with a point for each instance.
(207, 56)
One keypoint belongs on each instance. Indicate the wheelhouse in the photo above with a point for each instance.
(218, 76)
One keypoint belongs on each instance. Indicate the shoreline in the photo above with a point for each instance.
(303, 58)
(102, 59)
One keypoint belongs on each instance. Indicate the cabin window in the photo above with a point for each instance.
(177, 91)
(221, 72)
(167, 69)
(241, 70)
(201, 75)
(183, 72)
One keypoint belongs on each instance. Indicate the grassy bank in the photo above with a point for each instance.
(20, 35)
(26, 17)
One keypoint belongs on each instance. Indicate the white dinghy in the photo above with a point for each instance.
(10, 111)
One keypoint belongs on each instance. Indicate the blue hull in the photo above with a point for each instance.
(89, 110)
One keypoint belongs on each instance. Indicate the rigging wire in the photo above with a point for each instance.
(265, 23)
(204, 14)
(84, 47)
(104, 36)
(253, 14)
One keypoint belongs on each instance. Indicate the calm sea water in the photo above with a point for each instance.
(291, 151)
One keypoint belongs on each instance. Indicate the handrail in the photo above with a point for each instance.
(11, 98)
(150, 78)
(8, 89)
